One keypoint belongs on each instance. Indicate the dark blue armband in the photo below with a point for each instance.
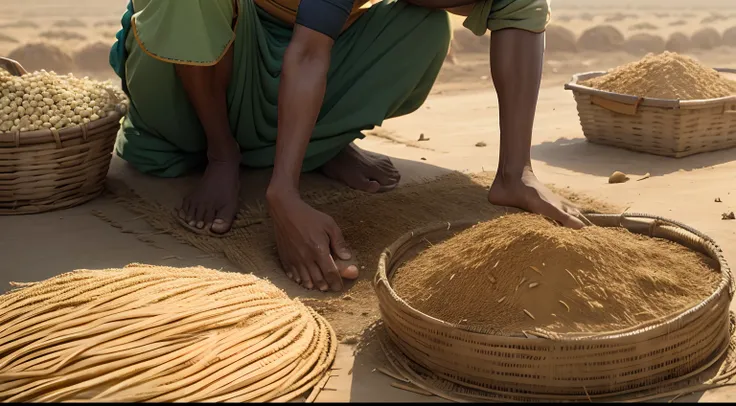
(324, 16)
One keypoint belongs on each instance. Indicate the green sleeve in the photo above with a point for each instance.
(192, 32)
(529, 15)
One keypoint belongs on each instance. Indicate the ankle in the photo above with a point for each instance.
(225, 151)
(512, 174)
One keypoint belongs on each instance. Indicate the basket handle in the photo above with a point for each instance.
(615, 106)
(12, 66)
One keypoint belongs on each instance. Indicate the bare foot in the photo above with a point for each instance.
(363, 170)
(214, 203)
(526, 192)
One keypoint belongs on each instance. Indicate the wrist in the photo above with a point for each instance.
(280, 190)
(223, 149)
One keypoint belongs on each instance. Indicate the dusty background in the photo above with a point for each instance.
(461, 112)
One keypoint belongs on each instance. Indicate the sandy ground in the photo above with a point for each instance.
(461, 112)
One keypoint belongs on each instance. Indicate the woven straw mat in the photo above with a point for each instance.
(155, 334)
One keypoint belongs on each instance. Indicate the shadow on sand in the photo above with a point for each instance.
(581, 156)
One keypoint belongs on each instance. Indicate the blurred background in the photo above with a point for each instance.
(75, 35)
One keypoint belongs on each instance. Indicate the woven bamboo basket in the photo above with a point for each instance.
(673, 128)
(541, 365)
(47, 170)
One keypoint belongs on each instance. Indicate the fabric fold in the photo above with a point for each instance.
(493, 15)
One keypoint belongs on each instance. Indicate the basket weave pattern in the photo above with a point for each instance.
(47, 169)
(540, 365)
(671, 128)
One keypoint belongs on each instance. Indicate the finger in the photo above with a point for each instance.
(317, 278)
(337, 242)
(306, 278)
(330, 272)
(348, 269)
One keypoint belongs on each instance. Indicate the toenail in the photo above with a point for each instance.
(200, 224)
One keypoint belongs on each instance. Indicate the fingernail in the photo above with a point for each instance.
(344, 255)
(192, 223)
(290, 275)
(353, 268)
(200, 224)
(219, 221)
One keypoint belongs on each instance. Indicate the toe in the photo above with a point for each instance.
(223, 221)
(366, 185)
(572, 222)
(221, 226)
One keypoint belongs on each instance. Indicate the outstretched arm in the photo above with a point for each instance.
(306, 239)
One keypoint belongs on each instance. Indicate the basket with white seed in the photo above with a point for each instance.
(56, 137)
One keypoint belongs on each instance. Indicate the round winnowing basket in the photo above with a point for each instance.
(465, 363)
(667, 127)
(47, 169)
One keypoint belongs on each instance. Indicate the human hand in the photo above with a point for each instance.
(308, 242)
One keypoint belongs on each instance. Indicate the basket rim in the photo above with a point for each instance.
(726, 286)
(24, 138)
(645, 101)
(18, 139)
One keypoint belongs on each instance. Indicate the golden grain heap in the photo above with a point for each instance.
(44, 100)
(665, 76)
(522, 272)
(157, 334)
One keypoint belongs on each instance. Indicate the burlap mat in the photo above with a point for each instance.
(370, 223)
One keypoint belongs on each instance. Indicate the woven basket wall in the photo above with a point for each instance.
(674, 128)
(46, 170)
(548, 366)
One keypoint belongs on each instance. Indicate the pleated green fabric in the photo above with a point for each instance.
(529, 15)
(383, 66)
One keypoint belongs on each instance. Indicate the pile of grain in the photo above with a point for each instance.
(464, 40)
(729, 37)
(666, 76)
(39, 56)
(62, 35)
(560, 39)
(602, 38)
(707, 38)
(678, 42)
(158, 334)
(7, 38)
(71, 23)
(645, 26)
(642, 44)
(521, 272)
(93, 57)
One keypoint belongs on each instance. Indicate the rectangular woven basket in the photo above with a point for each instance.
(667, 127)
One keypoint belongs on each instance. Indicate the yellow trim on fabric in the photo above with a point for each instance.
(237, 9)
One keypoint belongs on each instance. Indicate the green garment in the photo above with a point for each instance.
(529, 15)
(383, 66)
